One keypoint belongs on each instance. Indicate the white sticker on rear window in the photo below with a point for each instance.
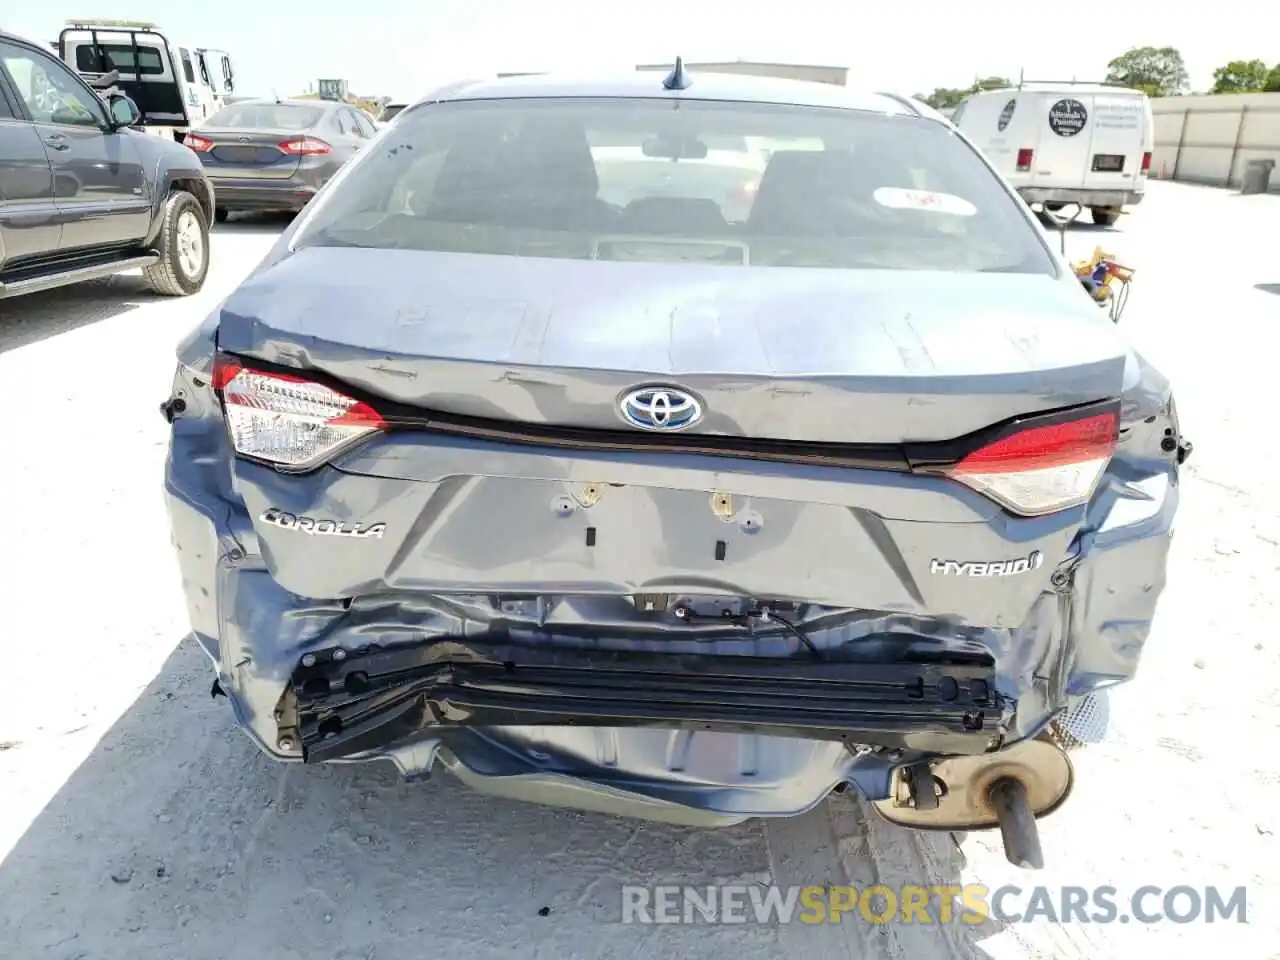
(897, 198)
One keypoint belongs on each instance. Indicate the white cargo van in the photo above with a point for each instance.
(1058, 143)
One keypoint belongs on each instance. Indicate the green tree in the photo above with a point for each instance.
(1240, 76)
(1272, 83)
(991, 83)
(944, 98)
(1157, 71)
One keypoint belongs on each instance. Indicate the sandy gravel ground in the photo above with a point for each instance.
(137, 823)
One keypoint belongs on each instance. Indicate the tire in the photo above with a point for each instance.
(184, 248)
(220, 214)
(1104, 217)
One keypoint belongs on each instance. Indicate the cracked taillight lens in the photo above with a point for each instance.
(288, 420)
(1045, 468)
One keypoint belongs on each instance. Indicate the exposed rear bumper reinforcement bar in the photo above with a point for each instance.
(366, 700)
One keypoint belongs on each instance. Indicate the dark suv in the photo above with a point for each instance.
(83, 196)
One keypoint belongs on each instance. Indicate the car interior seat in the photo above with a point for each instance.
(813, 193)
(542, 178)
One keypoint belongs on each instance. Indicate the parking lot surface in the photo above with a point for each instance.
(137, 823)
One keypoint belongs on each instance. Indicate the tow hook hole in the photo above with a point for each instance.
(330, 727)
(508, 666)
(915, 690)
(721, 549)
(357, 682)
(948, 689)
(972, 721)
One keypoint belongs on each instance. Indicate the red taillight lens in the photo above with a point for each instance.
(197, 143)
(305, 147)
(1025, 156)
(1146, 162)
(286, 419)
(1044, 468)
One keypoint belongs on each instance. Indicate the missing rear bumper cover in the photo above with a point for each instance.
(370, 699)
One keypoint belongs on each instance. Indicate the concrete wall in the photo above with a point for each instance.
(787, 71)
(1208, 139)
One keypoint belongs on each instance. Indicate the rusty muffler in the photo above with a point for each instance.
(1010, 789)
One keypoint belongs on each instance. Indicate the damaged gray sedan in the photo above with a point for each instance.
(680, 449)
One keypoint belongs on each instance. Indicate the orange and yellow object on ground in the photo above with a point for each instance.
(1098, 272)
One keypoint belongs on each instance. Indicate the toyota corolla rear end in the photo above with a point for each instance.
(661, 506)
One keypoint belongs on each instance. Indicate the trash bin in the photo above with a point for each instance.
(1257, 176)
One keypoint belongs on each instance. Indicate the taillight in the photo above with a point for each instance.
(288, 420)
(1146, 162)
(197, 143)
(1025, 156)
(305, 147)
(1042, 467)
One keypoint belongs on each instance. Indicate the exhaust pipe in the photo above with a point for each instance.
(1010, 789)
(1018, 830)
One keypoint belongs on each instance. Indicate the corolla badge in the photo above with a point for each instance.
(660, 408)
(321, 528)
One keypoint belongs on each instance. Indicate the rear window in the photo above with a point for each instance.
(266, 116)
(671, 181)
(119, 57)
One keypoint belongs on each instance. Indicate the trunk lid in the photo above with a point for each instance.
(811, 355)
(248, 154)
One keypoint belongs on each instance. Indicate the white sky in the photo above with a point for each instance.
(401, 48)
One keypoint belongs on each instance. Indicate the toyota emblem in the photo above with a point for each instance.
(660, 408)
